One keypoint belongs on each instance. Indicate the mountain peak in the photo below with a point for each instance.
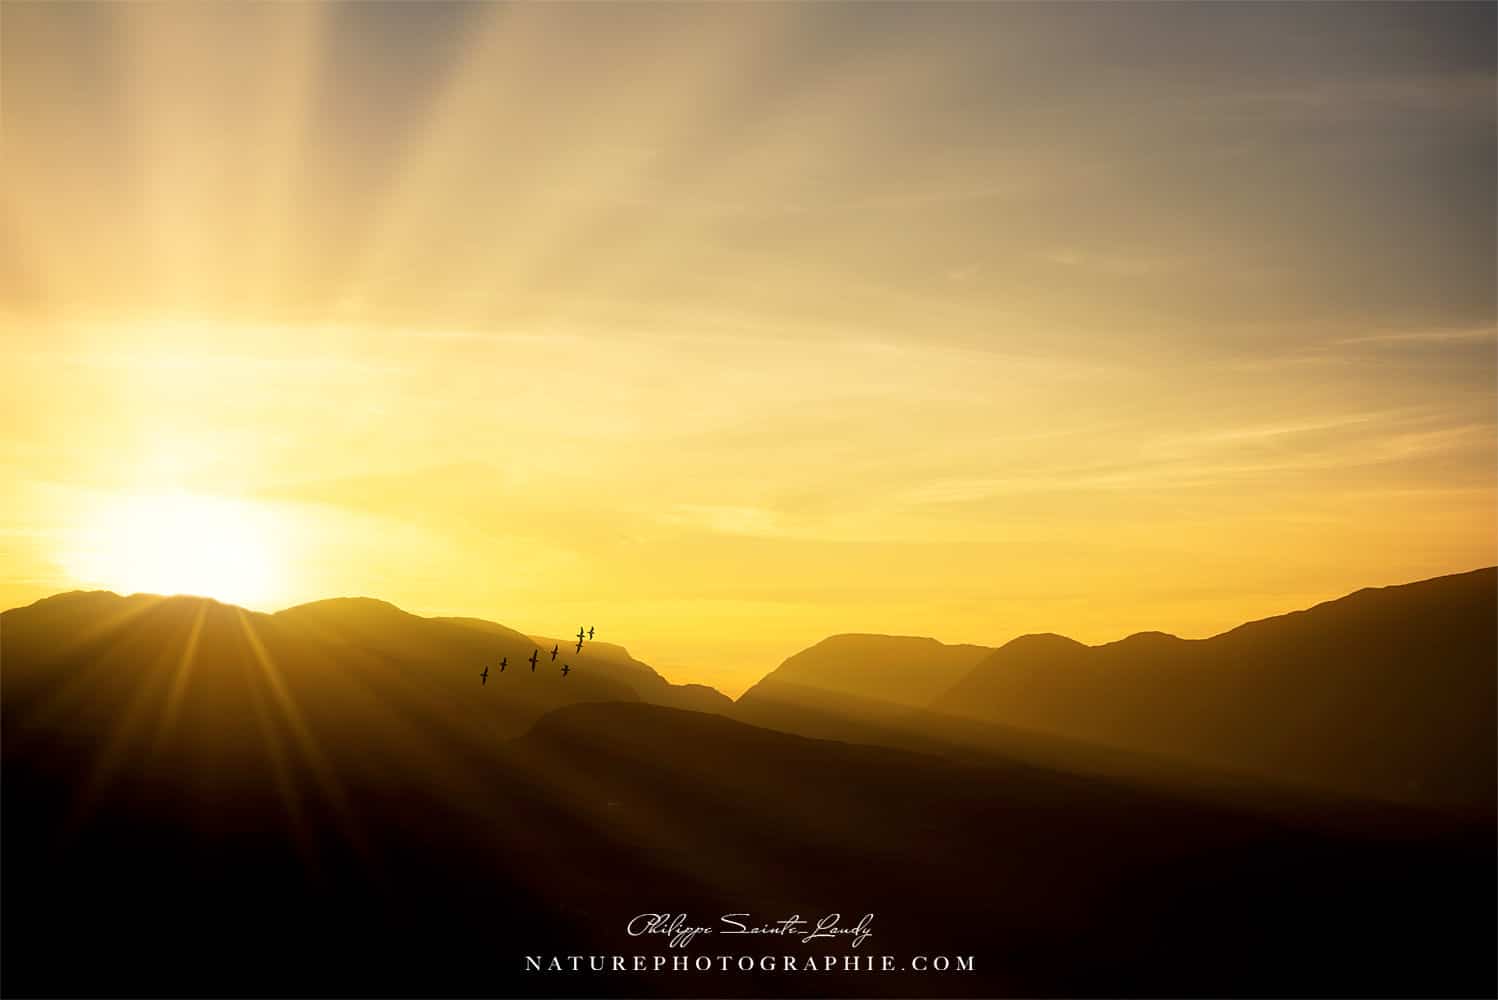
(347, 605)
(1388, 692)
(880, 673)
(1150, 638)
(1041, 642)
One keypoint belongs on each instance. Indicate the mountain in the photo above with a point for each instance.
(232, 863)
(648, 684)
(428, 666)
(1389, 692)
(211, 801)
(846, 684)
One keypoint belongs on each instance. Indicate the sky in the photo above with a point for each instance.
(727, 327)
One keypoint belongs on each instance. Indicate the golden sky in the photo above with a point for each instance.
(728, 327)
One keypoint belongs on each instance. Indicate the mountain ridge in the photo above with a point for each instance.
(1387, 691)
(1348, 716)
(341, 775)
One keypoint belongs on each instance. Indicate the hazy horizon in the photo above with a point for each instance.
(729, 327)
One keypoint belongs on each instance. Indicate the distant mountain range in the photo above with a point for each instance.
(879, 670)
(328, 801)
(1390, 693)
(859, 689)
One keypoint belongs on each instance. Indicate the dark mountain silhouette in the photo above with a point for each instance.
(1388, 692)
(874, 689)
(846, 684)
(372, 624)
(648, 684)
(326, 802)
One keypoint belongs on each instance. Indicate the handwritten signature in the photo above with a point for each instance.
(681, 930)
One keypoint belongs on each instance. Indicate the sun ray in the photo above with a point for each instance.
(110, 754)
(323, 771)
(78, 687)
(181, 677)
(673, 98)
(286, 104)
(160, 50)
(291, 803)
(439, 144)
(823, 125)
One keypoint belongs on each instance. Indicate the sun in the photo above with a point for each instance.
(179, 543)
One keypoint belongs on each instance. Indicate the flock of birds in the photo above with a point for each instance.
(536, 654)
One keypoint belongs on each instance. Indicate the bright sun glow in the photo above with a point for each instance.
(179, 543)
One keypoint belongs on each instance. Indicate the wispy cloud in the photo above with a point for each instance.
(1458, 336)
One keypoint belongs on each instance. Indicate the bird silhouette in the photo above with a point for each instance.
(590, 631)
(534, 654)
(502, 664)
(484, 677)
(566, 670)
(579, 646)
(579, 633)
(554, 650)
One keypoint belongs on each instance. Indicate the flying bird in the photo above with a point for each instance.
(579, 646)
(484, 677)
(590, 631)
(502, 664)
(534, 653)
(554, 650)
(566, 670)
(579, 633)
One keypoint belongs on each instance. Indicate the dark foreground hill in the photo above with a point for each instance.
(1388, 692)
(253, 808)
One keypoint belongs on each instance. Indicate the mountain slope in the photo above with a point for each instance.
(1388, 692)
(847, 682)
(359, 649)
(648, 684)
(271, 804)
(380, 866)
